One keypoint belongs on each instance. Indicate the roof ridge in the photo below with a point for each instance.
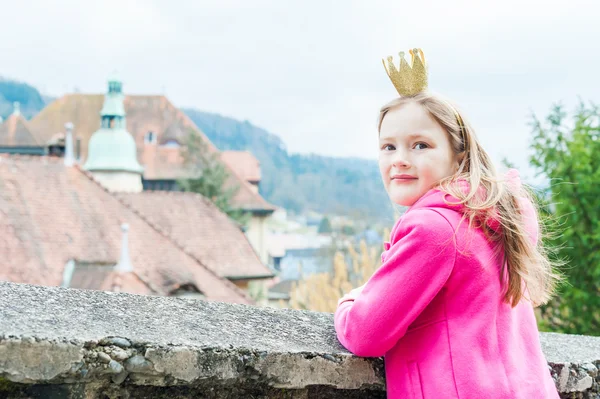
(11, 125)
(167, 236)
(29, 157)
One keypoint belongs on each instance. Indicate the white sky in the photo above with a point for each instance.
(310, 71)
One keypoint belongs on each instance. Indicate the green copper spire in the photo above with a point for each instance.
(112, 148)
(113, 101)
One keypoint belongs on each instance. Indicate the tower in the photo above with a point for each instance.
(112, 155)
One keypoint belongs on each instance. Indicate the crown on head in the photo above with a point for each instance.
(408, 79)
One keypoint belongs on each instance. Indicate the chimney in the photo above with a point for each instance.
(124, 265)
(78, 150)
(69, 158)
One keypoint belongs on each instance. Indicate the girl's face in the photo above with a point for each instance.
(414, 153)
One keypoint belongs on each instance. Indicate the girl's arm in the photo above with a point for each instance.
(414, 270)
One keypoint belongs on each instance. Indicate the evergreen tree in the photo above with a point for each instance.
(211, 177)
(325, 226)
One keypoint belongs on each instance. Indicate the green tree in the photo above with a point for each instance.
(567, 154)
(348, 230)
(211, 178)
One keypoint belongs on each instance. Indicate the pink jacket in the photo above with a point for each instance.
(435, 310)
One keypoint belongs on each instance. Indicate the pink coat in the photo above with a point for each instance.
(435, 310)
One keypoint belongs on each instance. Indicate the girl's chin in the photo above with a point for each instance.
(403, 201)
(404, 197)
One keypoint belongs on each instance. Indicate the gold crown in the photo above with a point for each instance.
(408, 79)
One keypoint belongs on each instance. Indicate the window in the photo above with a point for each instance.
(86, 275)
(188, 290)
(150, 138)
(171, 143)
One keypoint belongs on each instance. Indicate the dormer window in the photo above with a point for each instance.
(187, 291)
(171, 143)
(150, 138)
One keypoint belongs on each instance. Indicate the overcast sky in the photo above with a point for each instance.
(310, 71)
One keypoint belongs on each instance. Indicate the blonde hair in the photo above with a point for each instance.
(525, 262)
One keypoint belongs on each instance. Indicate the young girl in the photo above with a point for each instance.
(451, 307)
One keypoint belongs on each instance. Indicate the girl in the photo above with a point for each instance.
(451, 307)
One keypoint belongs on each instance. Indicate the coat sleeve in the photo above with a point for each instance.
(414, 270)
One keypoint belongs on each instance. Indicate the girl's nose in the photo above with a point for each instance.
(400, 161)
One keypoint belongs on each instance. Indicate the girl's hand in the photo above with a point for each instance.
(356, 292)
(352, 295)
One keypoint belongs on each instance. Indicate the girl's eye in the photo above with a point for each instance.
(388, 147)
(420, 146)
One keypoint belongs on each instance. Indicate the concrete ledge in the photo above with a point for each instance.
(59, 343)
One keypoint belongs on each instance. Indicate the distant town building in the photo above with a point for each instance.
(90, 201)
(61, 227)
(108, 127)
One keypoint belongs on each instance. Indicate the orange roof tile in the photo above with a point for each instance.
(144, 114)
(105, 278)
(244, 163)
(51, 214)
(205, 232)
(15, 131)
(245, 197)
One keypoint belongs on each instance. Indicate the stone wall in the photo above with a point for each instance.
(62, 343)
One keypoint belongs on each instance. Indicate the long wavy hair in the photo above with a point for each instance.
(529, 271)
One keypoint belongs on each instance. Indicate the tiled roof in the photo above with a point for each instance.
(244, 163)
(145, 114)
(51, 214)
(201, 229)
(14, 131)
(246, 197)
(105, 278)
(283, 287)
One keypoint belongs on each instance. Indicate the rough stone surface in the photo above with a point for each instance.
(120, 345)
(62, 343)
(574, 361)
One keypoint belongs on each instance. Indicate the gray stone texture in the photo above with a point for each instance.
(64, 343)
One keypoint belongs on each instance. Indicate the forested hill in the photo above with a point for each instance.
(349, 186)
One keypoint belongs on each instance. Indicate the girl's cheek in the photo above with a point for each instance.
(383, 164)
